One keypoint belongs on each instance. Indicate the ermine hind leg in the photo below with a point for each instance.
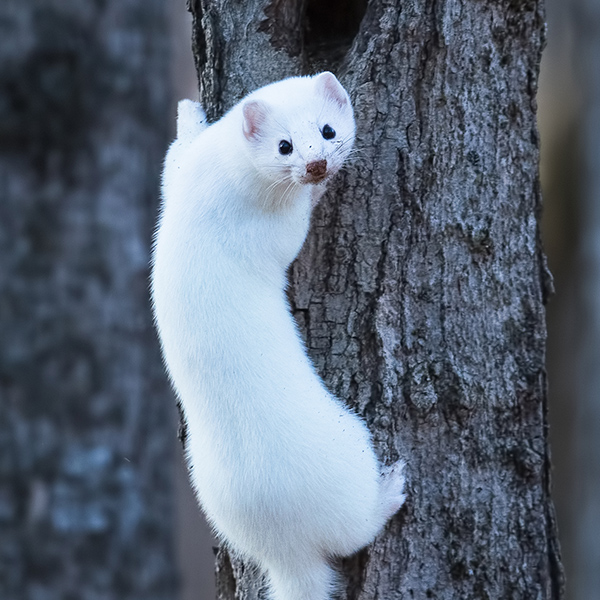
(392, 488)
(310, 581)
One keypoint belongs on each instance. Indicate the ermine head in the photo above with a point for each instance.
(299, 130)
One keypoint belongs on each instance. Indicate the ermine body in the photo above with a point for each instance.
(285, 473)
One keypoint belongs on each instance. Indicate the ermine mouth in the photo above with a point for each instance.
(314, 179)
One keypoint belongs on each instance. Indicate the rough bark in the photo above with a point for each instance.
(422, 285)
(86, 436)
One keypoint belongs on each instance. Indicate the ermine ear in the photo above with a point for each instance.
(255, 118)
(329, 87)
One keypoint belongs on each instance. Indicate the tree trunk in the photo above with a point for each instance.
(422, 285)
(86, 436)
(586, 468)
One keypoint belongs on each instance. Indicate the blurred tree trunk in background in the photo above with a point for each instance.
(86, 451)
(560, 169)
(585, 504)
(421, 288)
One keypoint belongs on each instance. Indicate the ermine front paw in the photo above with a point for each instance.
(191, 119)
(392, 488)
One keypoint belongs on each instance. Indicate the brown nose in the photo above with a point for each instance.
(317, 168)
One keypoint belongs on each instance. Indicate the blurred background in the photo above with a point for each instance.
(94, 498)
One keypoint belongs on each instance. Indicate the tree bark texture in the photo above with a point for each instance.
(86, 436)
(422, 285)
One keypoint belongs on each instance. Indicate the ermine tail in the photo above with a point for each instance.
(315, 581)
(191, 119)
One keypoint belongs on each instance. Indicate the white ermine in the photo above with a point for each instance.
(285, 473)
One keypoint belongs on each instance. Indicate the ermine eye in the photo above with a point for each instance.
(328, 132)
(285, 147)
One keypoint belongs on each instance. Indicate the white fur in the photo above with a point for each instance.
(285, 473)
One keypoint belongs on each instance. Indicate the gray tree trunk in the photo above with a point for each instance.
(422, 285)
(86, 429)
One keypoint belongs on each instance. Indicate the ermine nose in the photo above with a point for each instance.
(317, 168)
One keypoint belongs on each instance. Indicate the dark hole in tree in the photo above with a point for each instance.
(330, 28)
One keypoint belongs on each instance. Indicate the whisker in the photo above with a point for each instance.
(342, 143)
(273, 187)
(277, 182)
(354, 153)
(283, 196)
